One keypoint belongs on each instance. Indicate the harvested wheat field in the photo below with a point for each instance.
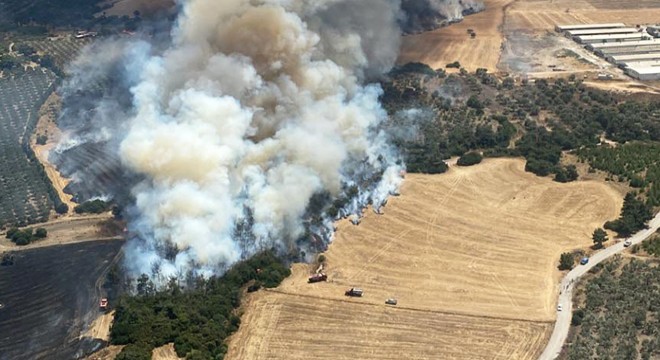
(470, 256)
(544, 15)
(280, 326)
(453, 43)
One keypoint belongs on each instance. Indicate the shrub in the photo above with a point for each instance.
(469, 159)
(93, 206)
(566, 261)
(455, 65)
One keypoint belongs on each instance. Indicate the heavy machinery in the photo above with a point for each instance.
(317, 278)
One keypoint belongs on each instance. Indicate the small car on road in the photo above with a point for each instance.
(559, 307)
(627, 243)
(584, 261)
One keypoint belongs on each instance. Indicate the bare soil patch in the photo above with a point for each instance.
(165, 352)
(46, 126)
(470, 255)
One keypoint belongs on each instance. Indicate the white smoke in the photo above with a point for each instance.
(453, 9)
(255, 107)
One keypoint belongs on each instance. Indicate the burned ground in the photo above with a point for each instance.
(47, 294)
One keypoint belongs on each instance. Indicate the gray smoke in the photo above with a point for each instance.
(424, 15)
(253, 111)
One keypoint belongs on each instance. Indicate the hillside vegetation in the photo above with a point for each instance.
(196, 320)
(435, 116)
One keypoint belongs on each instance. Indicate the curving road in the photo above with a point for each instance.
(563, 323)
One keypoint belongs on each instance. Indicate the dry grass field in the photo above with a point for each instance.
(501, 25)
(452, 43)
(544, 14)
(279, 326)
(470, 255)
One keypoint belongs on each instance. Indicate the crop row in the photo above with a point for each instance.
(63, 49)
(24, 186)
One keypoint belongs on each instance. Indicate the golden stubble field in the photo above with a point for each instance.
(452, 43)
(470, 255)
(505, 18)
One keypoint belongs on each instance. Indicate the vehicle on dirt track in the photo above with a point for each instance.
(103, 304)
(559, 307)
(584, 261)
(353, 292)
(317, 278)
(390, 301)
(627, 243)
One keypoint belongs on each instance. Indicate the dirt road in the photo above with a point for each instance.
(563, 323)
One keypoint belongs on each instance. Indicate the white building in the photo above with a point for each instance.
(644, 73)
(561, 28)
(610, 38)
(618, 59)
(628, 30)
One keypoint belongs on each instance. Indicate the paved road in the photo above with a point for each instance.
(563, 322)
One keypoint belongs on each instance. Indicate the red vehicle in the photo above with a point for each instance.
(103, 304)
(317, 278)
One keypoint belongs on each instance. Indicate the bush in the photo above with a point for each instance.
(469, 159)
(455, 65)
(62, 208)
(93, 207)
(578, 315)
(40, 233)
(566, 261)
(135, 352)
(321, 258)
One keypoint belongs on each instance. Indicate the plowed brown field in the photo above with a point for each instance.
(470, 255)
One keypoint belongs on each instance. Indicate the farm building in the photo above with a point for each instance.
(623, 58)
(560, 28)
(596, 46)
(589, 39)
(644, 73)
(628, 50)
(627, 30)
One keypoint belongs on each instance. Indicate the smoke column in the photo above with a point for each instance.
(251, 110)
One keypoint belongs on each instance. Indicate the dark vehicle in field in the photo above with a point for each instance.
(355, 292)
(317, 278)
(391, 301)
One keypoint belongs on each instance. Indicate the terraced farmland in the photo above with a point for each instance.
(24, 186)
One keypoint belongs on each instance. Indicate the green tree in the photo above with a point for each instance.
(566, 261)
(599, 237)
(468, 159)
(40, 233)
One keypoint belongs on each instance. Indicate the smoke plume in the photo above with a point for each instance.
(246, 127)
(424, 15)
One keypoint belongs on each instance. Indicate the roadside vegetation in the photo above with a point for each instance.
(196, 320)
(26, 236)
(92, 207)
(617, 312)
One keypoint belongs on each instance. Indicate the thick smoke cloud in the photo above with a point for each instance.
(246, 126)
